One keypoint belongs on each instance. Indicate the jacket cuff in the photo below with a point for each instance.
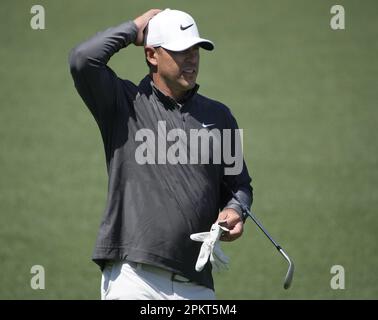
(238, 209)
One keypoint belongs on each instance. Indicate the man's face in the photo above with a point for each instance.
(178, 70)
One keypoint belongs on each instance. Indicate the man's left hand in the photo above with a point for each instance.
(230, 219)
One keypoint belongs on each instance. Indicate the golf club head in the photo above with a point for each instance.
(290, 271)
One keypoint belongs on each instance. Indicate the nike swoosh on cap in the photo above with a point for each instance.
(207, 125)
(184, 28)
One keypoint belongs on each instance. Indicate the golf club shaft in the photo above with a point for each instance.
(252, 216)
(245, 209)
(262, 229)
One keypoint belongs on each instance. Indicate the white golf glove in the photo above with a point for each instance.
(211, 248)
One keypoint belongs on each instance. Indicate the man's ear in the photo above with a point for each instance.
(151, 55)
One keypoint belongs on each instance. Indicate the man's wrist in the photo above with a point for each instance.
(238, 210)
(134, 34)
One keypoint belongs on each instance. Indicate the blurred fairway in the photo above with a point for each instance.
(305, 95)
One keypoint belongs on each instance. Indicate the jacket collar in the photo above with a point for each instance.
(149, 87)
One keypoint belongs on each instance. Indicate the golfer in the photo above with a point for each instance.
(156, 201)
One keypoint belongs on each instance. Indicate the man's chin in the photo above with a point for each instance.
(188, 85)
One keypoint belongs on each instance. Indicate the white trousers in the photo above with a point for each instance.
(127, 280)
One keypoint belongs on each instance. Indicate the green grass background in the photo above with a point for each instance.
(305, 95)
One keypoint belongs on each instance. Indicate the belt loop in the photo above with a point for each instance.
(134, 265)
(179, 278)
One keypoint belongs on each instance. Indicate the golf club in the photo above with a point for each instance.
(290, 271)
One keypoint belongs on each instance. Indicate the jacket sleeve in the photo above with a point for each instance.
(96, 82)
(240, 182)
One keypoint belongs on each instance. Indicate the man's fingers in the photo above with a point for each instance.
(142, 20)
(141, 23)
(233, 234)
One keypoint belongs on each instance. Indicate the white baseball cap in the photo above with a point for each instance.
(174, 30)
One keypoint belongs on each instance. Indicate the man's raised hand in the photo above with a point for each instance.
(141, 23)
